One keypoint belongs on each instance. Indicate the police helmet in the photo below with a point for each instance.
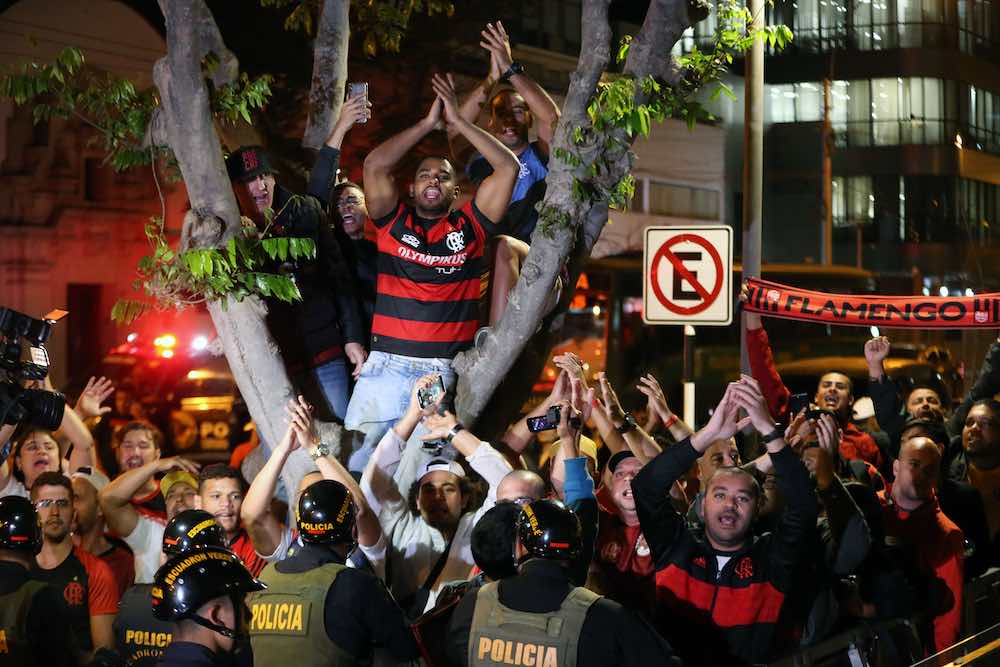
(191, 529)
(325, 513)
(190, 579)
(547, 529)
(20, 527)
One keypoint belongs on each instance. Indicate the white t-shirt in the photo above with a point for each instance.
(14, 487)
(146, 542)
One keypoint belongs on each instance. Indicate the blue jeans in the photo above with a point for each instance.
(333, 384)
(382, 395)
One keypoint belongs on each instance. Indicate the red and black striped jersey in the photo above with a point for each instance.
(429, 275)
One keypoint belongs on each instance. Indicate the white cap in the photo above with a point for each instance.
(95, 477)
(443, 465)
(863, 408)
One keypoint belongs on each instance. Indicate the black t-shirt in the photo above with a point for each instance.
(188, 654)
(47, 623)
(140, 637)
(87, 589)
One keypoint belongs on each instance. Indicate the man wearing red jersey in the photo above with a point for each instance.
(430, 262)
(85, 581)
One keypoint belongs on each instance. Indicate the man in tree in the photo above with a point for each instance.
(318, 332)
(89, 528)
(514, 102)
(86, 582)
(431, 260)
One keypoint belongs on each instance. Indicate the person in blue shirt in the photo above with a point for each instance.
(514, 104)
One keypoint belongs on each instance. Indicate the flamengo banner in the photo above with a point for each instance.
(767, 298)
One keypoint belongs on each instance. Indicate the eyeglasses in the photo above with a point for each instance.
(46, 503)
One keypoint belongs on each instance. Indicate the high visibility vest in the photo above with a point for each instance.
(504, 636)
(14, 609)
(287, 625)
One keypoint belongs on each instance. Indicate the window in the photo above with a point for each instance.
(683, 201)
(984, 119)
(876, 112)
(853, 201)
(975, 29)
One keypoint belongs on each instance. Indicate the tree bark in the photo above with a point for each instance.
(185, 122)
(326, 94)
(515, 352)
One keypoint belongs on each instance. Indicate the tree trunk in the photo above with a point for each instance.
(185, 123)
(326, 93)
(517, 349)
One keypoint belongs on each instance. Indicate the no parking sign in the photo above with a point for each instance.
(688, 275)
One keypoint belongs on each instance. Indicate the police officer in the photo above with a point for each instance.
(34, 621)
(203, 592)
(139, 636)
(315, 606)
(538, 617)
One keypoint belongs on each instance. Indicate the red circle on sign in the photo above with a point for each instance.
(708, 298)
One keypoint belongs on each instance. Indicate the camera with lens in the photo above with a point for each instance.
(19, 404)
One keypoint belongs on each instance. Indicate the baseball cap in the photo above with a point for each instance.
(618, 457)
(96, 478)
(175, 476)
(443, 465)
(248, 162)
(588, 448)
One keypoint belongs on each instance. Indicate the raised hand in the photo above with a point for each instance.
(95, 393)
(747, 395)
(724, 422)
(612, 408)
(300, 422)
(438, 426)
(177, 463)
(876, 350)
(751, 320)
(357, 109)
(572, 364)
(656, 400)
(433, 119)
(496, 41)
(444, 88)
(422, 383)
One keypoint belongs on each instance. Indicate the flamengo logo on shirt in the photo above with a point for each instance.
(431, 260)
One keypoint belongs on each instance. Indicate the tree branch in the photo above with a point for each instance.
(326, 93)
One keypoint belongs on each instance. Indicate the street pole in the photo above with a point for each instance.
(826, 244)
(753, 158)
(688, 376)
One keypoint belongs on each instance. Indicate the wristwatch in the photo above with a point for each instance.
(515, 68)
(628, 424)
(321, 449)
(778, 432)
(454, 431)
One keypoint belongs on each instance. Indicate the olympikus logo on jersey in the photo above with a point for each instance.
(431, 260)
(517, 653)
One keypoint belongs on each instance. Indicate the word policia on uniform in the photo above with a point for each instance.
(767, 298)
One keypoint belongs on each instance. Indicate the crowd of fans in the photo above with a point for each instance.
(766, 530)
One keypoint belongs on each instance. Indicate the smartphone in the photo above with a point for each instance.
(358, 88)
(816, 413)
(431, 393)
(796, 402)
(546, 422)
